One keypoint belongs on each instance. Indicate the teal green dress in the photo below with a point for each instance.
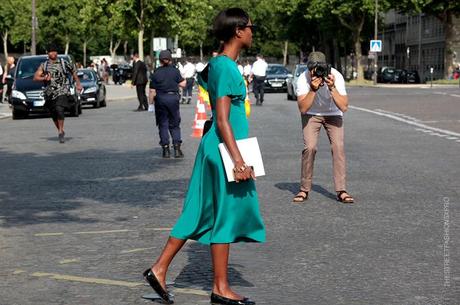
(216, 211)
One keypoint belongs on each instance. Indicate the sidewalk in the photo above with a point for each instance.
(5, 111)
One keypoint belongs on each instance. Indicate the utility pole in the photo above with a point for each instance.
(376, 19)
(33, 47)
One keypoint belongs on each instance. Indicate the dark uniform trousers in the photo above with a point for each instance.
(168, 117)
(258, 89)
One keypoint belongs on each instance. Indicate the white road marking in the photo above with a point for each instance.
(69, 261)
(136, 250)
(409, 122)
(91, 280)
(103, 232)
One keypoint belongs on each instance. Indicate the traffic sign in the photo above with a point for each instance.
(376, 46)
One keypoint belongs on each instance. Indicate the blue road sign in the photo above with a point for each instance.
(376, 46)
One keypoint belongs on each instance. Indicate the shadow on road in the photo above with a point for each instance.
(294, 189)
(198, 271)
(52, 188)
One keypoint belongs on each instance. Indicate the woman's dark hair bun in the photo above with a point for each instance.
(227, 21)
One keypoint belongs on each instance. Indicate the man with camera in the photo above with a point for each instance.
(322, 100)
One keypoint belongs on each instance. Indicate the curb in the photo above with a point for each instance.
(114, 99)
(5, 116)
(396, 86)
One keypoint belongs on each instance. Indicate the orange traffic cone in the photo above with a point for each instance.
(200, 118)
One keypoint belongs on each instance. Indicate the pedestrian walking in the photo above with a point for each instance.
(1, 83)
(164, 94)
(189, 71)
(217, 212)
(258, 74)
(247, 70)
(8, 77)
(56, 74)
(322, 100)
(140, 81)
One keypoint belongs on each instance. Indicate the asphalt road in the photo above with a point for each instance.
(80, 221)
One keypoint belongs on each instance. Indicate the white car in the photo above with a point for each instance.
(292, 81)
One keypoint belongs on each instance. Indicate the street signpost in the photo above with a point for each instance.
(376, 46)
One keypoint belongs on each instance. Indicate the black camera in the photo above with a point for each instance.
(320, 69)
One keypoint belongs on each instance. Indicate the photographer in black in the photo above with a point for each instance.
(56, 73)
(322, 100)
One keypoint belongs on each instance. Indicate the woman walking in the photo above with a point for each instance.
(216, 212)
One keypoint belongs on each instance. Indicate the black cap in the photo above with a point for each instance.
(52, 47)
(165, 54)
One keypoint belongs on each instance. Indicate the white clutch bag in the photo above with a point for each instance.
(250, 151)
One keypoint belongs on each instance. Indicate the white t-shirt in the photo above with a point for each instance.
(241, 69)
(323, 104)
(199, 67)
(189, 70)
(259, 67)
(247, 70)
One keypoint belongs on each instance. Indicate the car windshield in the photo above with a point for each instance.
(85, 76)
(28, 66)
(278, 70)
(300, 70)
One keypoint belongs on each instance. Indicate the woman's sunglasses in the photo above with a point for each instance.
(253, 27)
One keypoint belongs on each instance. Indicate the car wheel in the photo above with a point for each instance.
(74, 112)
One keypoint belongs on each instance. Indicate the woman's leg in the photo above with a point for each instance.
(221, 287)
(160, 267)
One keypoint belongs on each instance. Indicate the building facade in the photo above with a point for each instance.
(414, 43)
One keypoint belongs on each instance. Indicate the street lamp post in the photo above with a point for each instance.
(375, 38)
(33, 47)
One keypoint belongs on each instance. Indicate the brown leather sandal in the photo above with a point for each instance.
(346, 199)
(300, 197)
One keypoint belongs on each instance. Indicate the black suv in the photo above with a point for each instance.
(27, 95)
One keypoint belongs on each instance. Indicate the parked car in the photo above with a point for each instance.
(276, 79)
(27, 95)
(386, 75)
(94, 91)
(121, 73)
(412, 77)
(292, 81)
(400, 76)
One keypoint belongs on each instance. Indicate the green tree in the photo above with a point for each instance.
(194, 24)
(351, 14)
(12, 12)
(58, 21)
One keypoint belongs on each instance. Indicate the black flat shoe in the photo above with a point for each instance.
(155, 284)
(217, 299)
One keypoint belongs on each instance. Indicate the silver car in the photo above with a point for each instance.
(292, 81)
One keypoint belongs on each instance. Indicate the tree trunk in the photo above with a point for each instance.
(140, 43)
(452, 34)
(113, 49)
(5, 44)
(358, 56)
(67, 43)
(125, 49)
(140, 37)
(84, 52)
(285, 52)
(201, 51)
